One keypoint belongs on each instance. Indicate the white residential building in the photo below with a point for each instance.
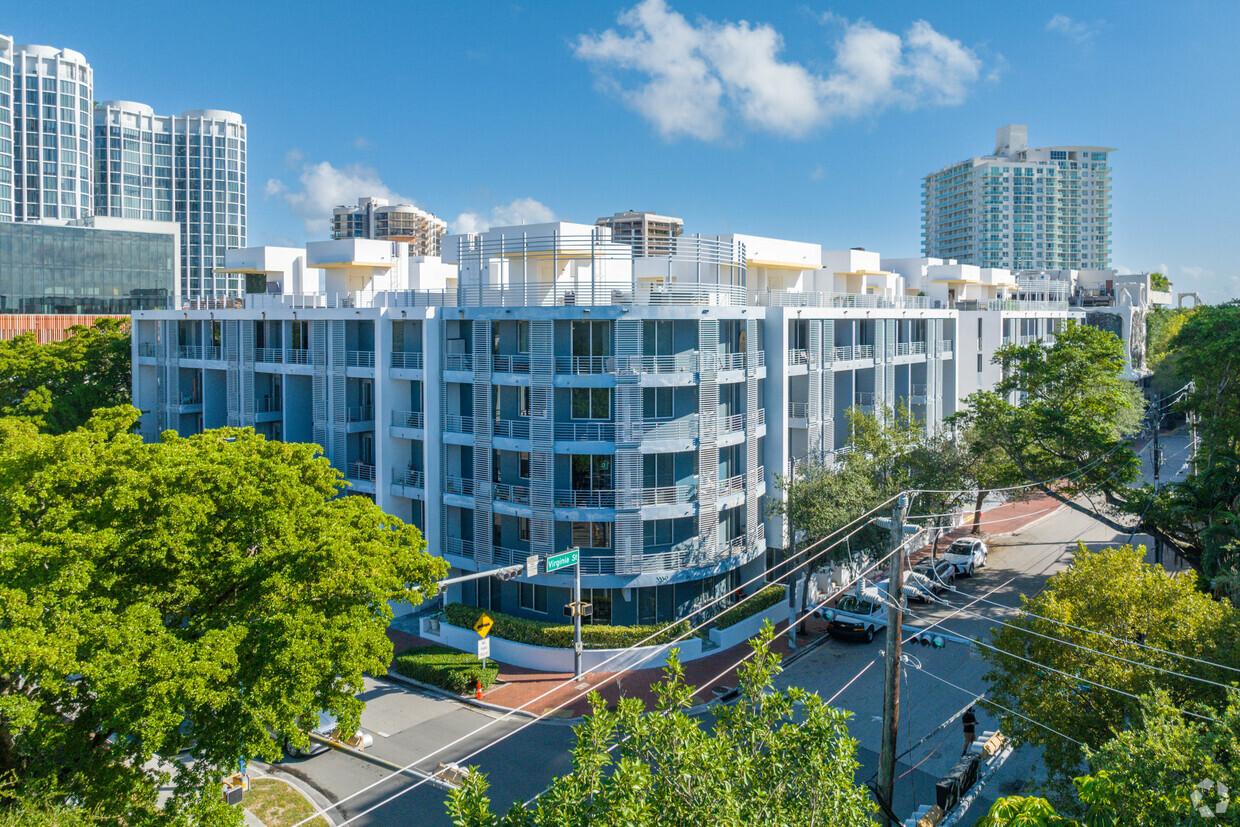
(646, 232)
(190, 168)
(53, 167)
(6, 128)
(1020, 208)
(376, 218)
(547, 386)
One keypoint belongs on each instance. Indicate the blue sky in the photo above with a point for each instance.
(807, 121)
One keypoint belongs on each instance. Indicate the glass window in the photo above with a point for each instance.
(533, 598)
(600, 600)
(591, 338)
(523, 464)
(523, 529)
(591, 403)
(592, 535)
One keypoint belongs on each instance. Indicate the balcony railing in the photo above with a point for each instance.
(360, 413)
(297, 356)
(197, 352)
(572, 498)
(360, 358)
(361, 471)
(785, 298)
(411, 478)
(150, 349)
(728, 424)
(761, 417)
(408, 419)
(920, 390)
(272, 355)
(798, 410)
(267, 404)
(511, 428)
(1017, 304)
(865, 399)
(458, 361)
(504, 492)
(798, 356)
(863, 352)
(585, 431)
(685, 362)
(584, 365)
(456, 424)
(843, 354)
(461, 486)
(730, 361)
(406, 360)
(731, 485)
(685, 427)
(515, 363)
(669, 494)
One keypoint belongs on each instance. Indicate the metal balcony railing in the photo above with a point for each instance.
(511, 428)
(863, 352)
(798, 410)
(585, 431)
(798, 356)
(684, 362)
(514, 363)
(920, 390)
(409, 477)
(573, 498)
(360, 413)
(730, 361)
(149, 349)
(456, 424)
(459, 547)
(843, 354)
(462, 486)
(360, 358)
(685, 427)
(361, 471)
(504, 492)
(585, 365)
(408, 419)
(406, 360)
(669, 494)
(728, 424)
(786, 298)
(268, 355)
(731, 485)
(761, 417)
(458, 361)
(267, 404)
(189, 352)
(297, 356)
(865, 399)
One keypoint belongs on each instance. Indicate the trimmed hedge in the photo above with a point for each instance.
(454, 671)
(760, 602)
(560, 635)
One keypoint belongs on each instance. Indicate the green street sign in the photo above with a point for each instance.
(559, 561)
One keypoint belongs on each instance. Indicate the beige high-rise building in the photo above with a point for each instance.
(650, 234)
(376, 218)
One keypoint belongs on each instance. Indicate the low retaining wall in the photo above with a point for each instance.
(750, 626)
(549, 659)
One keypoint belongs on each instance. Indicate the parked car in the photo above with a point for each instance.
(967, 554)
(941, 573)
(326, 728)
(858, 615)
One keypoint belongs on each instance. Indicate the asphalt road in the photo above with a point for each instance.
(408, 725)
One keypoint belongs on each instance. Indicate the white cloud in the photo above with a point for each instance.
(324, 186)
(818, 173)
(1076, 30)
(362, 142)
(514, 213)
(690, 80)
(1212, 288)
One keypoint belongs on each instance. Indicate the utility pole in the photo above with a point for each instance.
(891, 672)
(577, 618)
(1157, 457)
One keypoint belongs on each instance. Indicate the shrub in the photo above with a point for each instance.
(560, 635)
(760, 602)
(454, 671)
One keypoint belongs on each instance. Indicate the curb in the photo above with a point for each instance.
(307, 789)
(383, 762)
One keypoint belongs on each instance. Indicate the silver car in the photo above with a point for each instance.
(967, 554)
(940, 573)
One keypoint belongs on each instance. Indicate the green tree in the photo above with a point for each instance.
(1207, 348)
(1147, 774)
(58, 385)
(1161, 327)
(208, 592)
(1115, 593)
(1068, 430)
(1160, 282)
(774, 757)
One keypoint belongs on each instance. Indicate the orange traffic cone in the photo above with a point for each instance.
(478, 693)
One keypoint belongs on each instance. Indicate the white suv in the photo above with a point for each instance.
(967, 554)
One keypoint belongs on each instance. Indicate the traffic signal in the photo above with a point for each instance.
(931, 639)
(825, 614)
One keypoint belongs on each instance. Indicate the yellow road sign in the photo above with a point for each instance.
(484, 624)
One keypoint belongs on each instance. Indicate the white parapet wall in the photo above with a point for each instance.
(549, 659)
(740, 632)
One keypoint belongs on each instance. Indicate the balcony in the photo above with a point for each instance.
(406, 360)
(685, 427)
(910, 348)
(458, 361)
(461, 486)
(516, 363)
(920, 391)
(863, 352)
(798, 410)
(864, 399)
(584, 365)
(798, 356)
(360, 358)
(268, 355)
(519, 494)
(408, 419)
(511, 428)
(732, 485)
(685, 362)
(843, 354)
(150, 349)
(786, 298)
(728, 424)
(360, 413)
(573, 498)
(267, 404)
(297, 356)
(669, 494)
(730, 361)
(456, 424)
(196, 352)
(585, 431)
(361, 471)
(409, 477)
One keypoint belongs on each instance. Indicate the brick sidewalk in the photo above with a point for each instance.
(517, 686)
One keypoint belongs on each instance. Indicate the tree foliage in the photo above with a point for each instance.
(1112, 592)
(58, 385)
(772, 758)
(1161, 327)
(1160, 282)
(1147, 775)
(208, 592)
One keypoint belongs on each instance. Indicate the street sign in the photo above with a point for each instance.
(483, 626)
(564, 558)
(484, 648)
(531, 565)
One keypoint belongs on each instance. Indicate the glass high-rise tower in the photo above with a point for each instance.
(188, 168)
(52, 161)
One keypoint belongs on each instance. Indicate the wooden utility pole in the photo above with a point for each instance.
(891, 673)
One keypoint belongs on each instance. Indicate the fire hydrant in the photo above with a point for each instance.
(478, 693)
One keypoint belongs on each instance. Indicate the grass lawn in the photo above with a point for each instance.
(278, 805)
(447, 668)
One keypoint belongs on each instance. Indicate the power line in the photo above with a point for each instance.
(861, 519)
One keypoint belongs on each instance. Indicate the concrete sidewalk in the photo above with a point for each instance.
(537, 693)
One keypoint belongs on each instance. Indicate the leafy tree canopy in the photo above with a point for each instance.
(1160, 282)
(1115, 593)
(58, 385)
(208, 592)
(774, 757)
